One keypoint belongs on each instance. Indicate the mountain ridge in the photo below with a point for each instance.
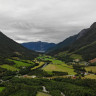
(9, 47)
(38, 46)
(83, 44)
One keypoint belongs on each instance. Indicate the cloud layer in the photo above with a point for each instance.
(45, 20)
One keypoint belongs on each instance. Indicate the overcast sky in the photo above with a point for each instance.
(45, 20)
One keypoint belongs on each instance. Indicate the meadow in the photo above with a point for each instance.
(40, 65)
(1, 89)
(91, 76)
(76, 56)
(58, 65)
(91, 68)
(8, 67)
(61, 68)
(20, 64)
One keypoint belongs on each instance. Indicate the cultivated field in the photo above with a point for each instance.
(8, 67)
(91, 68)
(40, 64)
(61, 68)
(91, 76)
(20, 64)
(57, 65)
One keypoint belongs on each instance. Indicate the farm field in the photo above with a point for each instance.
(40, 64)
(20, 64)
(61, 68)
(1, 89)
(91, 76)
(57, 65)
(91, 68)
(8, 67)
(42, 94)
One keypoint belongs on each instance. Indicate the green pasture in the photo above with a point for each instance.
(91, 68)
(1, 89)
(9, 67)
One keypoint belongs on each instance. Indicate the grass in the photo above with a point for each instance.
(91, 68)
(8, 67)
(91, 76)
(40, 64)
(42, 94)
(1, 89)
(76, 56)
(62, 68)
(57, 65)
(20, 64)
(57, 62)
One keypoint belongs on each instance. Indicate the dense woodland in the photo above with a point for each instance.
(30, 87)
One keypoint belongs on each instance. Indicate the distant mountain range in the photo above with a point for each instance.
(8, 47)
(83, 43)
(39, 46)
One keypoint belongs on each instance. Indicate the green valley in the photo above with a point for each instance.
(68, 69)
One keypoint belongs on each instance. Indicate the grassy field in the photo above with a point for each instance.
(57, 65)
(40, 64)
(8, 67)
(91, 76)
(91, 68)
(1, 89)
(20, 64)
(61, 68)
(42, 94)
(76, 56)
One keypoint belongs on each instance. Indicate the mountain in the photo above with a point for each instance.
(39, 46)
(8, 47)
(84, 43)
(62, 45)
(67, 42)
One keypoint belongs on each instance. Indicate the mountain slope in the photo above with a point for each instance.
(89, 38)
(62, 45)
(38, 46)
(84, 44)
(8, 47)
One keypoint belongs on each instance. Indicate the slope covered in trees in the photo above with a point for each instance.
(8, 47)
(84, 44)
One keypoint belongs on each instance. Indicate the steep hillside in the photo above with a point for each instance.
(62, 45)
(84, 44)
(8, 47)
(38, 46)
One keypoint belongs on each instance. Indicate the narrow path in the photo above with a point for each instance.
(44, 89)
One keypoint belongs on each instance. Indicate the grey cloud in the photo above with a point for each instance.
(45, 20)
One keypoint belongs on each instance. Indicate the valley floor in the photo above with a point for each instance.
(46, 76)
